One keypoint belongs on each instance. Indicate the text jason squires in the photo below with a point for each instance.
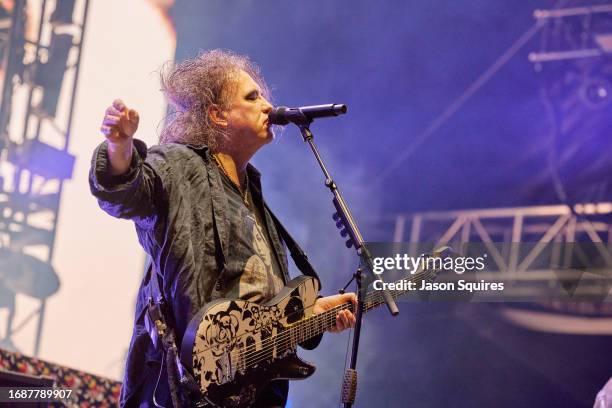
(405, 285)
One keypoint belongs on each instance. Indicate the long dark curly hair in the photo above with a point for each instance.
(196, 84)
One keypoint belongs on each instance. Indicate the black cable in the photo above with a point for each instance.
(161, 369)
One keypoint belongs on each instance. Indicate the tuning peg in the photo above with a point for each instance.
(343, 232)
(349, 243)
(336, 216)
(339, 225)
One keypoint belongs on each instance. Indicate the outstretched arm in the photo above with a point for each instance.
(127, 181)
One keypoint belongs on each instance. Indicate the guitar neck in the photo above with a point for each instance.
(320, 323)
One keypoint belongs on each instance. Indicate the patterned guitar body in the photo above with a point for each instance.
(234, 348)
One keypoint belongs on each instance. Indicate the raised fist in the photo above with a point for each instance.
(120, 123)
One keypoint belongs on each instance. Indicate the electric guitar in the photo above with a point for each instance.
(234, 348)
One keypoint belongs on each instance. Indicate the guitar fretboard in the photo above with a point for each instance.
(315, 325)
(320, 323)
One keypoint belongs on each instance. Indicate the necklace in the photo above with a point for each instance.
(243, 194)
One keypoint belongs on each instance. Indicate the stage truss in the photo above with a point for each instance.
(40, 49)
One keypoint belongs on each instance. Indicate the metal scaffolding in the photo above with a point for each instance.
(545, 247)
(40, 43)
(539, 225)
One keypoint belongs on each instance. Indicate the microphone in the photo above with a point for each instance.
(282, 115)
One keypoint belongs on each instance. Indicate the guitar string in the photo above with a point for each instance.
(372, 300)
(250, 358)
(264, 352)
(369, 298)
(305, 329)
(304, 322)
(283, 341)
(247, 356)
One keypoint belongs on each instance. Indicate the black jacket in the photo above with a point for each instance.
(175, 196)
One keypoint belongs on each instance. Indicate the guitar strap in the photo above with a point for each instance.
(297, 254)
(160, 325)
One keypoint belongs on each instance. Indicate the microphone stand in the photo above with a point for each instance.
(345, 220)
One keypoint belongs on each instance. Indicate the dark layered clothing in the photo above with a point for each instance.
(175, 195)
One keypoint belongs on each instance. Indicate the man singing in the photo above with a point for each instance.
(198, 207)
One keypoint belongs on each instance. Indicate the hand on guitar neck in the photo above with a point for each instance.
(345, 318)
